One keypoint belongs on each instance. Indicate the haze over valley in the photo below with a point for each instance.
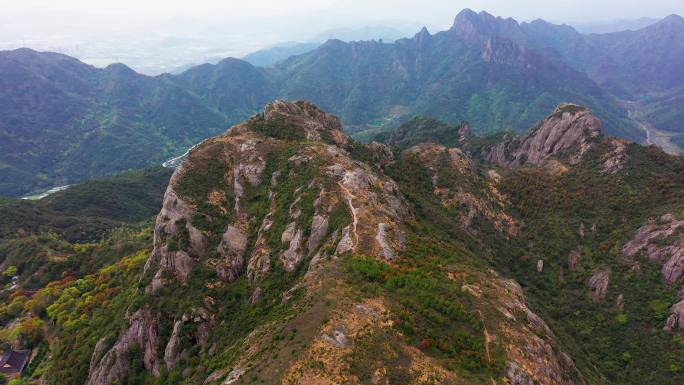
(341, 192)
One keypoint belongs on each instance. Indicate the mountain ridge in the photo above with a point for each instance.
(513, 70)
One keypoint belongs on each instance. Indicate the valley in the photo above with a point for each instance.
(496, 203)
(497, 74)
(285, 252)
(654, 136)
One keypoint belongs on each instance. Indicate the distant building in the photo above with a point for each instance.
(13, 362)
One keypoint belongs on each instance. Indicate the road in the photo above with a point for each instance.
(654, 136)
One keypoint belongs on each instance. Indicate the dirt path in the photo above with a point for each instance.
(350, 198)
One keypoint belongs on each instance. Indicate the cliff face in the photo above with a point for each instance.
(569, 131)
(265, 231)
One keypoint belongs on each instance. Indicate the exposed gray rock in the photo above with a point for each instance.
(319, 229)
(179, 263)
(98, 352)
(382, 154)
(294, 253)
(314, 122)
(337, 338)
(464, 133)
(570, 130)
(256, 295)
(651, 232)
(288, 234)
(381, 238)
(232, 248)
(516, 376)
(673, 269)
(215, 376)
(346, 244)
(172, 350)
(260, 260)
(234, 376)
(574, 259)
(620, 302)
(615, 160)
(598, 284)
(114, 365)
(676, 319)
(670, 256)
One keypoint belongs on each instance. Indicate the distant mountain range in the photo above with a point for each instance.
(63, 121)
(267, 57)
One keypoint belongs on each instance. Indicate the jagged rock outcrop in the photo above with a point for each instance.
(457, 183)
(309, 185)
(533, 354)
(232, 247)
(315, 123)
(652, 240)
(676, 319)
(142, 332)
(614, 161)
(174, 224)
(567, 133)
(574, 259)
(261, 217)
(598, 284)
(464, 133)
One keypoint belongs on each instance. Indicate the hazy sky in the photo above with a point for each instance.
(181, 31)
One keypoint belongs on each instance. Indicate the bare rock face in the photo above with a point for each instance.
(464, 133)
(569, 132)
(531, 348)
(615, 160)
(172, 350)
(676, 319)
(113, 366)
(649, 239)
(382, 154)
(620, 302)
(598, 284)
(574, 259)
(173, 221)
(440, 162)
(516, 376)
(232, 247)
(319, 229)
(305, 115)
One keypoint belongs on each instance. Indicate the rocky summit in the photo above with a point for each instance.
(281, 206)
(285, 252)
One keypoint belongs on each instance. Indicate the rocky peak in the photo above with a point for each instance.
(307, 119)
(284, 204)
(568, 133)
(423, 36)
(673, 20)
(502, 51)
(470, 25)
(464, 132)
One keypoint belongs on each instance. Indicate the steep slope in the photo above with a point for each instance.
(64, 121)
(233, 87)
(284, 254)
(569, 130)
(268, 57)
(41, 238)
(287, 253)
(641, 62)
(598, 240)
(481, 64)
(421, 130)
